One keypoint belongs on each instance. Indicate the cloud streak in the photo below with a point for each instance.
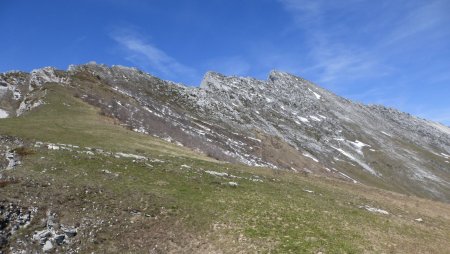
(333, 60)
(336, 53)
(144, 54)
(353, 46)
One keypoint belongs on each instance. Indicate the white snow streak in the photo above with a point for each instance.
(3, 113)
(387, 134)
(374, 210)
(315, 118)
(310, 156)
(305, 120)
(362, 164)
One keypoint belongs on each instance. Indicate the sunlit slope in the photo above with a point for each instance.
(68, 120)
(171, 199)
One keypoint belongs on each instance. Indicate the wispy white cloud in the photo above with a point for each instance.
(305, 12)
(332, 60)
(420, 19)
(336, 63)
(144, 54)
(355, 47)
(336, 58)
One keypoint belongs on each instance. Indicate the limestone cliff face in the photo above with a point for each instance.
(283, 122)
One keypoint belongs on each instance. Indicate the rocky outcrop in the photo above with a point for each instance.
(54, 234)
(21, 92)
(13, 218)
(282, 122)
(9, 158)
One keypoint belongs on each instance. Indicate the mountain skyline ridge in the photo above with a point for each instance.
(389, 53)
(296, 124)
(225, 75)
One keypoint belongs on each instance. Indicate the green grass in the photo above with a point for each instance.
(187, 210)
(66, 119)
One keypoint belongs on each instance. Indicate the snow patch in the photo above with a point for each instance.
(446, 156)
(346, 176)
(374, 210)
(362, 164)
(387, 134)
(318, 96)
(443, 155)
(358, 145)
(255, 139)
(314, 118)
(3, 113)
(305, 120)
(310, 156)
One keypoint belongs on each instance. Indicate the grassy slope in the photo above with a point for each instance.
(64, 119)
(187, 210)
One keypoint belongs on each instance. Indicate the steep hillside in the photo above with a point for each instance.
(283, 122)
(75, 180)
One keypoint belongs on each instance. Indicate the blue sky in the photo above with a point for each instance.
(395, 53)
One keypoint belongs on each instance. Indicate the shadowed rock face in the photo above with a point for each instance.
(282, 122)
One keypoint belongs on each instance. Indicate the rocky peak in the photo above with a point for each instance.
(46, 75)
(214, 81)
(276, 75)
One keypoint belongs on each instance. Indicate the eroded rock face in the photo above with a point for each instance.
(12, 218)
(9, 159)
(282, 122)
(54, 234)
(21, 92)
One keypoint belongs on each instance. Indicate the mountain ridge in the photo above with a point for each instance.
(281, 122)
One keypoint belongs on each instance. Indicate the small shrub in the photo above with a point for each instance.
(6, 182)
(23, 151)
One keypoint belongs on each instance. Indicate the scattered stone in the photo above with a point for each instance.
(214, 173)
(419, 220)
(53, 147)
(233, 184)
(41, 236)
(13, 218)
(48, 246)
(70, 232)
(59, 239)
(12, 159)
(54, 233)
